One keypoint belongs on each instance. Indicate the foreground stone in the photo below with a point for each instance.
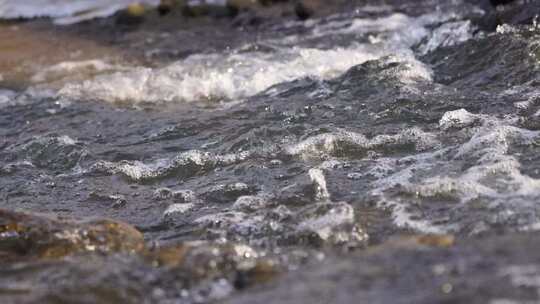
(48, 237)
(50, 259)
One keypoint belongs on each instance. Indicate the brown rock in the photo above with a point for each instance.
(132, 15)
(203, 260)
(443, 241)
(29, 235)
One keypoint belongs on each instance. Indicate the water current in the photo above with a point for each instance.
(321, 138)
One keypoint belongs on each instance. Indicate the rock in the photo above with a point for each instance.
(28, 235)
(203, 260)
(167, 6)
(443, 241)
(500, 2)
(305, 9)
(135, 10)
(261, 271)
(132, 15)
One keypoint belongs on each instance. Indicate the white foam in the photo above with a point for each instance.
(457, 119)
(177, 209)
(492, 173)
(319, 182)
(66, 140)
(187, 164)
(245, 72)
(217, 77)
(327, 144)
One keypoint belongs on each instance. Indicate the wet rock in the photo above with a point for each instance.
(195, 272)
(436, 240)
(165, 7)
(211, 260)
(132, 15)
(135, 9)
(257, 272)
(29, 235)
(306, 9)
(208, 266)
(500, 2)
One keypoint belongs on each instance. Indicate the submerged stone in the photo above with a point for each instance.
(133, 14)
(305, 9)
(28, 235)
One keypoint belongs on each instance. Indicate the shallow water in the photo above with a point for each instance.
(327, 135)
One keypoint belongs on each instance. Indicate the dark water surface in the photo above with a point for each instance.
(388, 154)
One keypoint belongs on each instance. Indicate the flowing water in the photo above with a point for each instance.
(318, 139)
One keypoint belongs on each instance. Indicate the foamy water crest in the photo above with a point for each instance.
(478, 171)
(239, 74)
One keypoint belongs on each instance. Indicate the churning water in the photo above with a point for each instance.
(330, 133)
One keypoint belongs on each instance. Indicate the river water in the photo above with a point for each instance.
(311, 144)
